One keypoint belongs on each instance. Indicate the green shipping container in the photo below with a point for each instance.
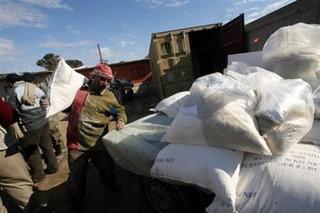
(180, 56)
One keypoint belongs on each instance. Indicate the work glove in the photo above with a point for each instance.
(18, 134)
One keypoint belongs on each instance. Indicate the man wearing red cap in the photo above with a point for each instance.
(92, 110)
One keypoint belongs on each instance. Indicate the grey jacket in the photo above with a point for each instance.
(32, 117)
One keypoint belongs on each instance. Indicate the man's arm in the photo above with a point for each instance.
(8, 114)
(9, 119)
(121, 114)
(13, 99)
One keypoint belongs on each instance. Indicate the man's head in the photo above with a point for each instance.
(29, 77)
(13, 78)
(100, 77)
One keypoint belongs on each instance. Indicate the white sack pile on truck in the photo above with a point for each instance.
(239, 134)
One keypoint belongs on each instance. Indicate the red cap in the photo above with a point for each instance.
(104, 70)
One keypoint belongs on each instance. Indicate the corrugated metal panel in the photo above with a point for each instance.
(186, 30)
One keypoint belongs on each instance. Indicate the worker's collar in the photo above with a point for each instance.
(98, 93)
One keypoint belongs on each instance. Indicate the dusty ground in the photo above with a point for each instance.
(54, 189)
(131, 199)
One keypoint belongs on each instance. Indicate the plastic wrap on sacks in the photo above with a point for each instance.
(294, 51)
(232, 123)
(204, 86)
(285, 113)
(244, 74)
(284, 109)
(226, 108)
(315, 85)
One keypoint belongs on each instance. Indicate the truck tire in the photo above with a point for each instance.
(165, 198)
(129, 94)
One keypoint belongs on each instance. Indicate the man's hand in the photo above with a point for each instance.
(44, 102)
(16, 131)
(120, 125)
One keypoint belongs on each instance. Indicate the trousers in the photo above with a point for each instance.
(78, 164)
(32, 141)
(15, 178)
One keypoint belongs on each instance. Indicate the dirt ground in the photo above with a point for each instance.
(54, 189)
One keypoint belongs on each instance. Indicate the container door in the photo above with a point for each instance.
(174, 64)
(233, 36)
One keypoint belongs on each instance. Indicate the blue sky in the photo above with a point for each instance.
(72, 28)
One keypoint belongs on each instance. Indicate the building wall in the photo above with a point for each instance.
(135, 71)
(258, 32)
(85, 71)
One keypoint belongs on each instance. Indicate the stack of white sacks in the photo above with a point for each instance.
(237, 134)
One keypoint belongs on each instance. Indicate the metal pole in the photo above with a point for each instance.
(101, 60)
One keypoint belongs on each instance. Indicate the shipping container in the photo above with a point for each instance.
(177, 57)
(137, 71)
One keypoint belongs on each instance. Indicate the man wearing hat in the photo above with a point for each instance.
(93, 108)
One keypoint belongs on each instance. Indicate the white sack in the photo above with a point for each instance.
(250, 58)
(289, 183)
(315, 85)
(171, 105)
(206, 166)
(313, 136)
(226, 108)
(63, 86)
(249, 76)
(186, 128)
(294, 51)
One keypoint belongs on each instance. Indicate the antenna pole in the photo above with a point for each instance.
(101, 60)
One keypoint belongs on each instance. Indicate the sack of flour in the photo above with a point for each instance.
(63, 86)
(209, 167)
(186, 128)
(289, 183)
(171, 105)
